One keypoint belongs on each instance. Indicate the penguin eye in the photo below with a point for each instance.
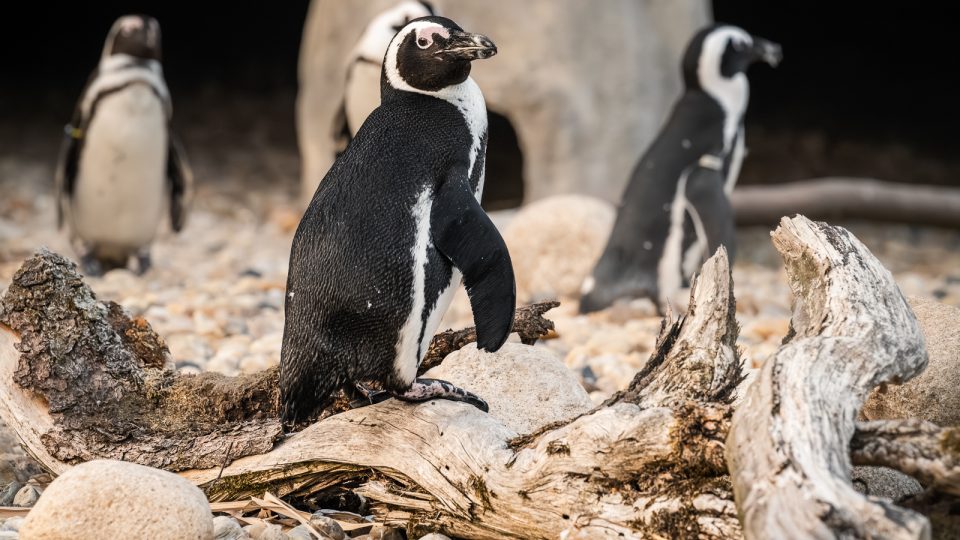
(423, 42)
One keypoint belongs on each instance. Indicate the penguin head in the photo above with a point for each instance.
(381, 29)
(720, 54)
(134, 35)
(432, 53)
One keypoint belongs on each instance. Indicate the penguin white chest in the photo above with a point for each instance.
(119, 196)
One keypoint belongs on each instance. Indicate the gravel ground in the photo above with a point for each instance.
(216, 290)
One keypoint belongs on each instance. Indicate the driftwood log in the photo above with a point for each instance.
(834, 199)
(666, 458)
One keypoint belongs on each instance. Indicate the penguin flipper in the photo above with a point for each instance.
(463, 232)
(180, 177)
(711, 211)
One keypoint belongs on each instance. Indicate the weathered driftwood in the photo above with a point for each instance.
(833, 199)
(443, 465)
(89, 382)
(789, 445)
(651, 462)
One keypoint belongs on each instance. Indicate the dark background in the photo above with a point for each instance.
(863, 90)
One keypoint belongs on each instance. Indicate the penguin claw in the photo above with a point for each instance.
(427, 389)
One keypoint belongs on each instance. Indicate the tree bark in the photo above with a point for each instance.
(666, 458)
(834, 199)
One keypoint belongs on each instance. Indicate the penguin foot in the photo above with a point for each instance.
(144, 263)
(369, 396)
(427, 389)
(92, 267)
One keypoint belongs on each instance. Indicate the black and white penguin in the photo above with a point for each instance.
(676, 211)
(120, 168)
(393, 228)
(362, 89)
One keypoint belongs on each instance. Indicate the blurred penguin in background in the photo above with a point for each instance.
(120, 168)
(362, 89)
(676, 211)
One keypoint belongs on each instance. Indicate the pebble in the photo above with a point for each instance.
(265, 531)
(434, 536)
(9, 492)
(328, 526)
(12, 524)
(382, 532)
(300, 532)
(9, 535)
(27, 496)
(227, 528)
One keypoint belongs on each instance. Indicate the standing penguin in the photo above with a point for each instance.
(120, 167)
(393, 228)
(675, 211)
(362, 90)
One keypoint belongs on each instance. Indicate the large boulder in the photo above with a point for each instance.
(116, 499)
(527, 387)
(586, 85)
(555, 242)
(934, 395)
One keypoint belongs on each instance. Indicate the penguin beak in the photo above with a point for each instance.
(767, 51)
(467, 46)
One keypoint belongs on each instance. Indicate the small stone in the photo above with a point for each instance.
(884, 482)
(12, 524)
(526, 387)
(381, 532)
(434, 536)
(27, 496)
(116, 499)
(227, 528)
(265, 531)
(328, 526)
(9, 535)
(300, 532)
(9, 492)
(934, 394)
(555, 242)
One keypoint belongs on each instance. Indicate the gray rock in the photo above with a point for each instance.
(9, 535)
(265, 531)
(300, 532)
(884, 482)
(554, 244)
(115, 499)
(227, 528)
(933, 395)
(9, 492)
(328, 526)
(382, 532)
(526, 387)
(12, 524)
(27, 496)
(555, 93)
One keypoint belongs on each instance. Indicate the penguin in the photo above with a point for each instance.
(120, 168)
(676, 210)
(362, 89)
(393, 229)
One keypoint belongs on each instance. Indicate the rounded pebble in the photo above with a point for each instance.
(328, 526)
(27, 496)
(115, 499)
(227, 528)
